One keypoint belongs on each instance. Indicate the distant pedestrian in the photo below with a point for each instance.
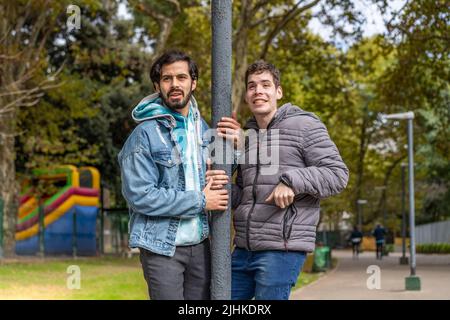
(379, 234)
(356, 239)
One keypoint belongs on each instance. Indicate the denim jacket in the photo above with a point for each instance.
(153, 183)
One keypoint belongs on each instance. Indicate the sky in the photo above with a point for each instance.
(374, 20)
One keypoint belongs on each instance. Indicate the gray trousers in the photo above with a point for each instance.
(185, 276)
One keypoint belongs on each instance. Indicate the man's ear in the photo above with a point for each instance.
(157, 88)
(279, 93)
(194, 85)
(245, 95)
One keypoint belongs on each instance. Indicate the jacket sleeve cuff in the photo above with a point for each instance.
(287, 179)
(284, 180)
(202, 202)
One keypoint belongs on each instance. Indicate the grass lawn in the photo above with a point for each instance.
(105, 278)
(306, 278)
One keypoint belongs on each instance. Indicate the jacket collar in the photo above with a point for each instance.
(284, 112)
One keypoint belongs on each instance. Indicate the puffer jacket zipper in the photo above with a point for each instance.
(255, 180)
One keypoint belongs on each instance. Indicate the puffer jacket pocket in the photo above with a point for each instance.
(288, 220)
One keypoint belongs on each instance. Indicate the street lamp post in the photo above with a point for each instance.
(1, 228)
(221, 15)
(403, 258)
(360, 202)
(412, 282)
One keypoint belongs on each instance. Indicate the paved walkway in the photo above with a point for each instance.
(348, 280)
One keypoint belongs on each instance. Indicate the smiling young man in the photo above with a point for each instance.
(163, 164)
(277, 202)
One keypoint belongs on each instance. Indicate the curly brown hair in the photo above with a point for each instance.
(261, 66)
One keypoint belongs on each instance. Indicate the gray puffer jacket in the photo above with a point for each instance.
(307, 161)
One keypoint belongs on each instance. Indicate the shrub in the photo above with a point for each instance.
(441, 248)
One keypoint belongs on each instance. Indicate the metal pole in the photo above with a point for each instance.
(411, 197)
(114, 238)
(221, 101)
(403, 259)
(41, 228)
(102, 221)
(412, 282)
(1, 228)
(74, 234)
(120, 233)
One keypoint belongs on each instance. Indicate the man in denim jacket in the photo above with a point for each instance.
(163, 166)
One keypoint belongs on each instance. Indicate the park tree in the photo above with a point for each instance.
(418, 80)
(87, 119)
(260, 24)
(66, 97)
(57, 88)
(25, 76)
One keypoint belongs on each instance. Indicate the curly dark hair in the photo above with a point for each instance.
(171, 57)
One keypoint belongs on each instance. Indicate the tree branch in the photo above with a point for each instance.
(165, 24)
(263, 20)
(258, 6)
(287, 17)
(386, 181)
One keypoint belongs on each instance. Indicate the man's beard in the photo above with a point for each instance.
(180, 104)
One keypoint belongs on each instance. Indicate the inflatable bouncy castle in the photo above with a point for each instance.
(66, 220)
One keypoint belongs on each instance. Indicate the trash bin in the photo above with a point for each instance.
(322, 259)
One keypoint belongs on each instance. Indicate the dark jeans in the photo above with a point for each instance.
(185, 276)
(380, 244)
(355, 247)
(264, 275)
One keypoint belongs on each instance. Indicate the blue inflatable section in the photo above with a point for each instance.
(58, 236)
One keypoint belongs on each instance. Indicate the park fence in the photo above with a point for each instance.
(436, 232)
(113, 231)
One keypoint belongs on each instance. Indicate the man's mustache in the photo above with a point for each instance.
(176, 91)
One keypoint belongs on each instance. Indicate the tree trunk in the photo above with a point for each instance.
(383, 197)
(360, 165)
(165, 22)
(240, 57)
(165, 30)
(8, 186)
(240, 67)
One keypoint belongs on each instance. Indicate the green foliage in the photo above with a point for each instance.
(440, 248)
(419, 81)
(86, 119)
(389, 248)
